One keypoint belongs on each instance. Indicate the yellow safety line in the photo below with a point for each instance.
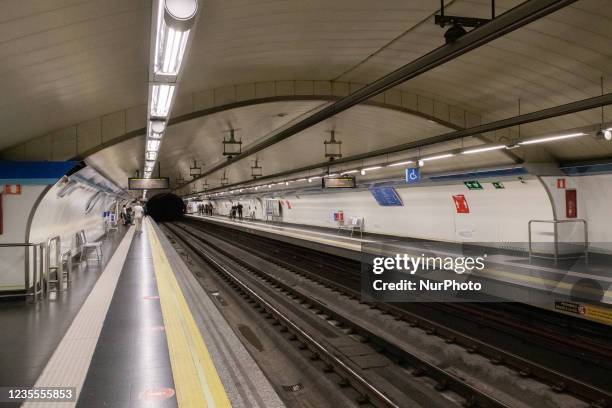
(537, 279)
(196, 380)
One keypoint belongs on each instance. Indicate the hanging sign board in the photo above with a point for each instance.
(338, 182)
(461, 204)
(148, 183)
(413, 175)
(473, 185)
(386, 196)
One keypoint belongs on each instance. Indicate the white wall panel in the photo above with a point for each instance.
(496, 215)
(15, 213)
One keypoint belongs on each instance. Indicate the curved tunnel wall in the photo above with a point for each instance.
(81, 208)
(496, 215)
(66, 215)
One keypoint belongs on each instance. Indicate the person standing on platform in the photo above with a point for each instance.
(239, 208)
(123, 215)
(138, 216)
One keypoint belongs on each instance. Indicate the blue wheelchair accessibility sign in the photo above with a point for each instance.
(413, 175)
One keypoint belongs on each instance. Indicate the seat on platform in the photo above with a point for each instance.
(354, 224)
(85, 247)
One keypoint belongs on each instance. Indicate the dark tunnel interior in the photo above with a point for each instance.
(165, 207)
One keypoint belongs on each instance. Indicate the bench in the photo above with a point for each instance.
(354, 224)
(86, 246)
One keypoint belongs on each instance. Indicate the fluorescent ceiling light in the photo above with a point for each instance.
(349, 172)
(483, 149)
(170, 50)
(372, 168)
(401, 163)
(161, 99)
(174, 20)
(153, 145)
(442, 156)
(551, 138)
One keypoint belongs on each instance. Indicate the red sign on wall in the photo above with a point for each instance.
(561, 183)
(12, 188)
(571, 204)
(461, 204)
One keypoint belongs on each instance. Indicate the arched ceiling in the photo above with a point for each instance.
(362, 129)
(63, 62)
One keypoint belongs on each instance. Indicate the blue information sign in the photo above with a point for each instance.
(386, 196)
(413, 175)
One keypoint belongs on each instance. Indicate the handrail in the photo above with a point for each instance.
(19, 244)
(556, 237)
(58, 261)
(38, 276)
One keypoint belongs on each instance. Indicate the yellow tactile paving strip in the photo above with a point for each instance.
(196, 380)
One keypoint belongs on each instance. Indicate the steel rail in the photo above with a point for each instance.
(362, 383)
(444, 379)
(556, 380)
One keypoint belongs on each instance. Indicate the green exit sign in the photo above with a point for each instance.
(473, 185)
(498, 185)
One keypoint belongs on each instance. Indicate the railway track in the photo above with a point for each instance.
(445, 380)
(551, 331)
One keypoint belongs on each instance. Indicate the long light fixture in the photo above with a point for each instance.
(172, 26)
(402, 163)
(441, 156)
(551, 138)
(175, 18)
(483, 149)
(161, 99)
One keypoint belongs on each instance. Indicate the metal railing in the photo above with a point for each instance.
(556, 223)
(60, 260)
(39, 277)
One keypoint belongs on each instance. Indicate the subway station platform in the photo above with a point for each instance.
(510, 275)
(145, 335)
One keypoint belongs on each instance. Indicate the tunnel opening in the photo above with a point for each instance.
(165, 207)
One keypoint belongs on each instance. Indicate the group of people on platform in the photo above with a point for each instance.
(205, 209)
(236, 211)
(132, 214)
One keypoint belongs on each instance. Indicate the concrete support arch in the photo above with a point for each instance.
(83, 139)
